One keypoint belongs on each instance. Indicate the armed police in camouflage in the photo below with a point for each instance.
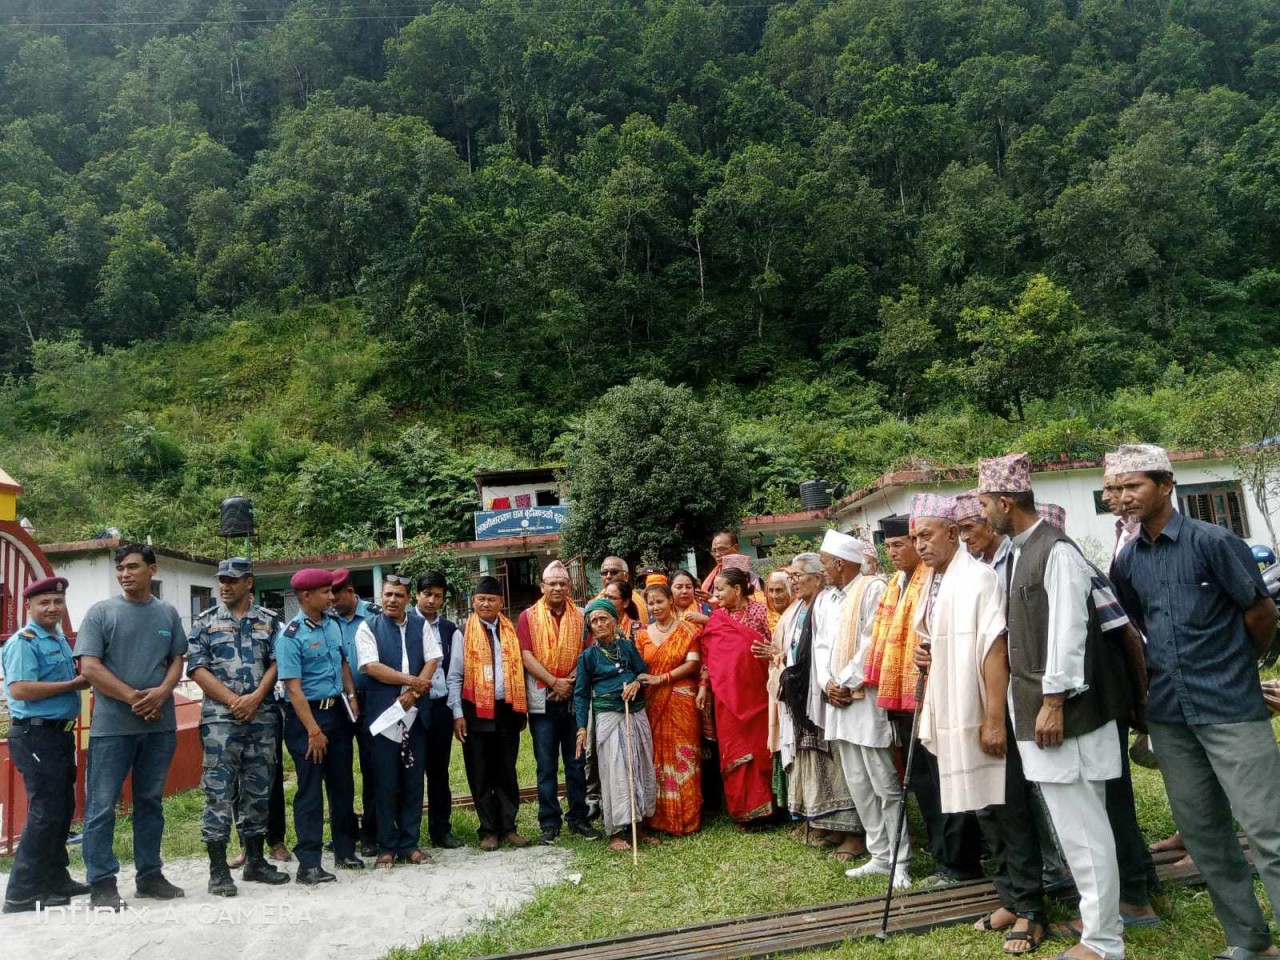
(231, 656)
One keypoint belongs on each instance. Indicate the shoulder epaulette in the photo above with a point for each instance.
(27, 633)
(205, 613)
(292, 629)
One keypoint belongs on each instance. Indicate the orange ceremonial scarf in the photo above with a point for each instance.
(556, 645)
(891, 666)
(477, 681)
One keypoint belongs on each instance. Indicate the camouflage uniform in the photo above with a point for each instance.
(239, 758)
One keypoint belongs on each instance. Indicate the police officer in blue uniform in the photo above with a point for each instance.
(312, 663)
(43, 691)
(350, 611)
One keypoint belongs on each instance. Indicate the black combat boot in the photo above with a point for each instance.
(220, 882)
(256, 867)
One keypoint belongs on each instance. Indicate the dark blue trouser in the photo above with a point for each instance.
(554, 735)
(46, 758)
(438, 749)
(331, 776)
(397, 791)
(145, 758)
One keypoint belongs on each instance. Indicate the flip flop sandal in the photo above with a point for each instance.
(987, 926)
(1026, 936)
(1067, 929)
(385, 861)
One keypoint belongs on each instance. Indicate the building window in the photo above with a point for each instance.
(1220, 503)
(1099, 505)
(157, 589)
(201, 600)
(548, 498)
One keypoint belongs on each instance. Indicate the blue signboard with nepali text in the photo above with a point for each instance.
(519, 522)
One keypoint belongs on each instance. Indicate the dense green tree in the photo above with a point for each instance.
(657, 497)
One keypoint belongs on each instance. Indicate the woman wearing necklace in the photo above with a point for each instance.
(670, 647)
(737, 649)
(684, 599)
(608, 682)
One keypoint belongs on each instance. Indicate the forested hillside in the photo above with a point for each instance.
(338, 253)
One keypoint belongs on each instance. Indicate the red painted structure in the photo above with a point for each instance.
(22, 562)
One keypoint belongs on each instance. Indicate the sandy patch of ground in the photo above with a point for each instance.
(360, 917)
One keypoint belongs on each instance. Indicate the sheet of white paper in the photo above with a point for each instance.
(389, 722)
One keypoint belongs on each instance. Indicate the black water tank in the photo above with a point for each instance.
(237, 517)
(815, 494)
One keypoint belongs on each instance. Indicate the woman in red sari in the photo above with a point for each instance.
(736, 648)
(671, 648)
(684, 599)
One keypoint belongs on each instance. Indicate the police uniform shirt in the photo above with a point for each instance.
(312, 652)
(36, 654)
(236, 650)
(364, 611)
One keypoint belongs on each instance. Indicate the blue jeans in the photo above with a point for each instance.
(111, 759)
(554, 735)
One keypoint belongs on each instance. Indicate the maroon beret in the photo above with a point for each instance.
(47, 585)
(341, 577)
(311, 578)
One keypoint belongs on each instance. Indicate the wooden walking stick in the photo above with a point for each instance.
(631, 785)
(883, 933)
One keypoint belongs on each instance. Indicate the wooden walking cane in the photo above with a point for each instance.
(631, 785)
(883, 933)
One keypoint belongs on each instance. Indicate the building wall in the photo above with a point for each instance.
(1071, 489)
(489, 494)
(91, 576)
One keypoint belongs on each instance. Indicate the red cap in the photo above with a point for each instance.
(311, 578)
(341, 577)
(47, 585)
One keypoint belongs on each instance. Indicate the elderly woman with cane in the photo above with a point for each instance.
(610, 674)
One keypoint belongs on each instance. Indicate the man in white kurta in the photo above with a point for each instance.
(961, 617)
(856, 727)
(1071, 770)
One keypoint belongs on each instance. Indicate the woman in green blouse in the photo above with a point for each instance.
(611, 672)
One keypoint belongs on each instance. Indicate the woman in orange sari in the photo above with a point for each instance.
(670, 647)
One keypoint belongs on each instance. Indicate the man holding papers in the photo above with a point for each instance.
(398, 657)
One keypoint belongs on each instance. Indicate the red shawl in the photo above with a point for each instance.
(739, 683)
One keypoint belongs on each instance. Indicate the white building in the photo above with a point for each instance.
(1207, 489)
(182, 579)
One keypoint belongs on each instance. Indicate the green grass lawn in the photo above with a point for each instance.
(719, 872)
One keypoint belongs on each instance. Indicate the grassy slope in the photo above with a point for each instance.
(719, 872)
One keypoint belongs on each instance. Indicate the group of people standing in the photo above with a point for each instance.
(1018, 664)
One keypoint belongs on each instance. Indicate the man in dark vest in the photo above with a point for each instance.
(432, 587)
(1067, 689)
(398, 657)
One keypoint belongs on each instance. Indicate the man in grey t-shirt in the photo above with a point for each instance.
(131, 651)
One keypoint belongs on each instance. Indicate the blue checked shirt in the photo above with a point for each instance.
(1187, 592)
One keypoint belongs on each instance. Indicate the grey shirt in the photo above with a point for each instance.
(135, 641)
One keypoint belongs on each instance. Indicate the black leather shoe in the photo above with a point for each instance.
(448, 842)
(594, 810)
(368, 849)
(349, 863)
(548, 836)
(36, 903)
(156, 887)
(71, 888)
(586, 830)
(104, 895)
(310, 876)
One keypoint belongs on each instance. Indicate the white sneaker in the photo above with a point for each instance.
(901, 879)
(872, 868)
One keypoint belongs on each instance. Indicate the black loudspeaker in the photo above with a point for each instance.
(237, 517)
